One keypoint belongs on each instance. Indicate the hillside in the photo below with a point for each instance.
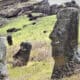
(40, 64)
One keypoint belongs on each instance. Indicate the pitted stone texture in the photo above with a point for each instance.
(3, 68)
(65, 34)
(64, 38)
(22, 56)
(67, 13)
(65, 70)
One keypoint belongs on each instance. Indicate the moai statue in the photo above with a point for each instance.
(21, 58)
(64, 40)
(3, 67)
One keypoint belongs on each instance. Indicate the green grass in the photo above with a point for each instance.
(33, 71)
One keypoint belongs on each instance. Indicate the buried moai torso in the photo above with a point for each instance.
(64, 40)
(22, 56)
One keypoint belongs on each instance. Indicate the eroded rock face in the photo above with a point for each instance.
(22, 56)
(3, 68)
(54, 9)
(64, 37)
(71, 4)
(9, 13)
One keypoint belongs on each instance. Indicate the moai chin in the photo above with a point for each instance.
(64, 39)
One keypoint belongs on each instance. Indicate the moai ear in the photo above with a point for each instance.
(9, 39)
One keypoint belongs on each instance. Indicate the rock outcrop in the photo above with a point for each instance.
(13, 8)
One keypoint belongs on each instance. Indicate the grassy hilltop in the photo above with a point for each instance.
(41, 68)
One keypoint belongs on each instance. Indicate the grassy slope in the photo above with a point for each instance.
(33, 32)
(34, 70)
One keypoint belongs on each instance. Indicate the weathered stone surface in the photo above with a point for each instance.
(22, 56)
(77, 54)
(64, 36)
(9, 40)
(71, 4)
(42, 7)
(11, 8)
(65, 70)
(9, 13)
(21, 0)
(3, 69)
(54, 9)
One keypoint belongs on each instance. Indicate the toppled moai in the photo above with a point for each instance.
(22, 56)
(64, 43)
